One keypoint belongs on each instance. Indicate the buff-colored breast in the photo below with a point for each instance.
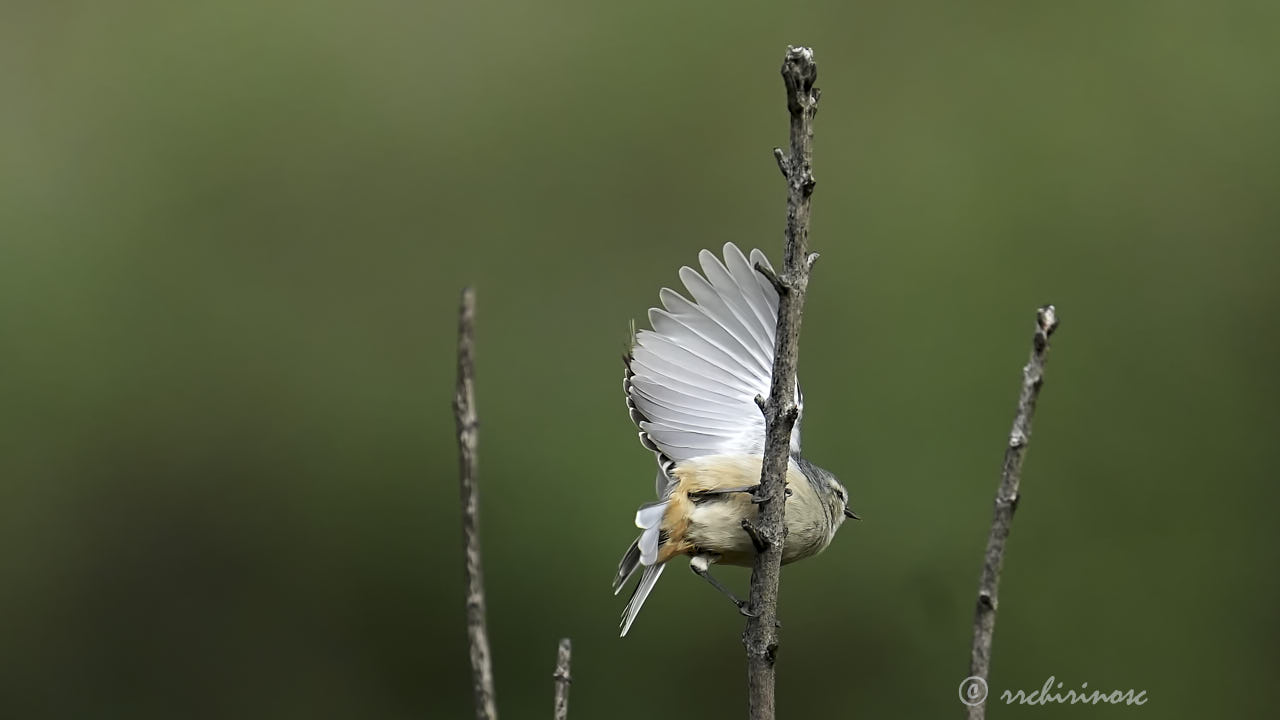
(714, 523)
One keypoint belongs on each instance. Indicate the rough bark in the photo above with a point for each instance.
(974, 690)
(464, 411)
(799, 71)
(563, 679)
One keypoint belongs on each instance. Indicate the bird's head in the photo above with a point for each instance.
(835, 496)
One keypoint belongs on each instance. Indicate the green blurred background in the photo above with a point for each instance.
(233, 236)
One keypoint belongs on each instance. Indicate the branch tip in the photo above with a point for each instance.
(783, 165)
(799, 73)
(1047, 319)
(778, 283)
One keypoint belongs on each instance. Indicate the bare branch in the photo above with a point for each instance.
(563, 679)
(464, 410)
(799, 71)
(778, 284)
(984, 618)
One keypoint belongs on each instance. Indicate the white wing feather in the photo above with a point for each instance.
(692, 380)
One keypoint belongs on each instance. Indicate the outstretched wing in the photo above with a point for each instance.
(692, 380)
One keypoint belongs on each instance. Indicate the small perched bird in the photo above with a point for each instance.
(691, 384)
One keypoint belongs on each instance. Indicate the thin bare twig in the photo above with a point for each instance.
(464, 410)
(984, 618)
(563, 679)
(799, 71)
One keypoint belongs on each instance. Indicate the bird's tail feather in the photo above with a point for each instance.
(649, 518)
(643, 551)
(643, 588)
(630, 561)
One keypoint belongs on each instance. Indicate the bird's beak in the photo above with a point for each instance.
(850, 514)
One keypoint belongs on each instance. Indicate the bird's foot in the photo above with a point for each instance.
(757, 541)
(746, 611)
(757, 498)
(749, 489)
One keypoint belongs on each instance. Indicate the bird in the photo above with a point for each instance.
(691, 384)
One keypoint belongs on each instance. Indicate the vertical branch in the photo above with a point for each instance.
(799, 71)
(464, 410)
(984, 618)
(563, 680)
